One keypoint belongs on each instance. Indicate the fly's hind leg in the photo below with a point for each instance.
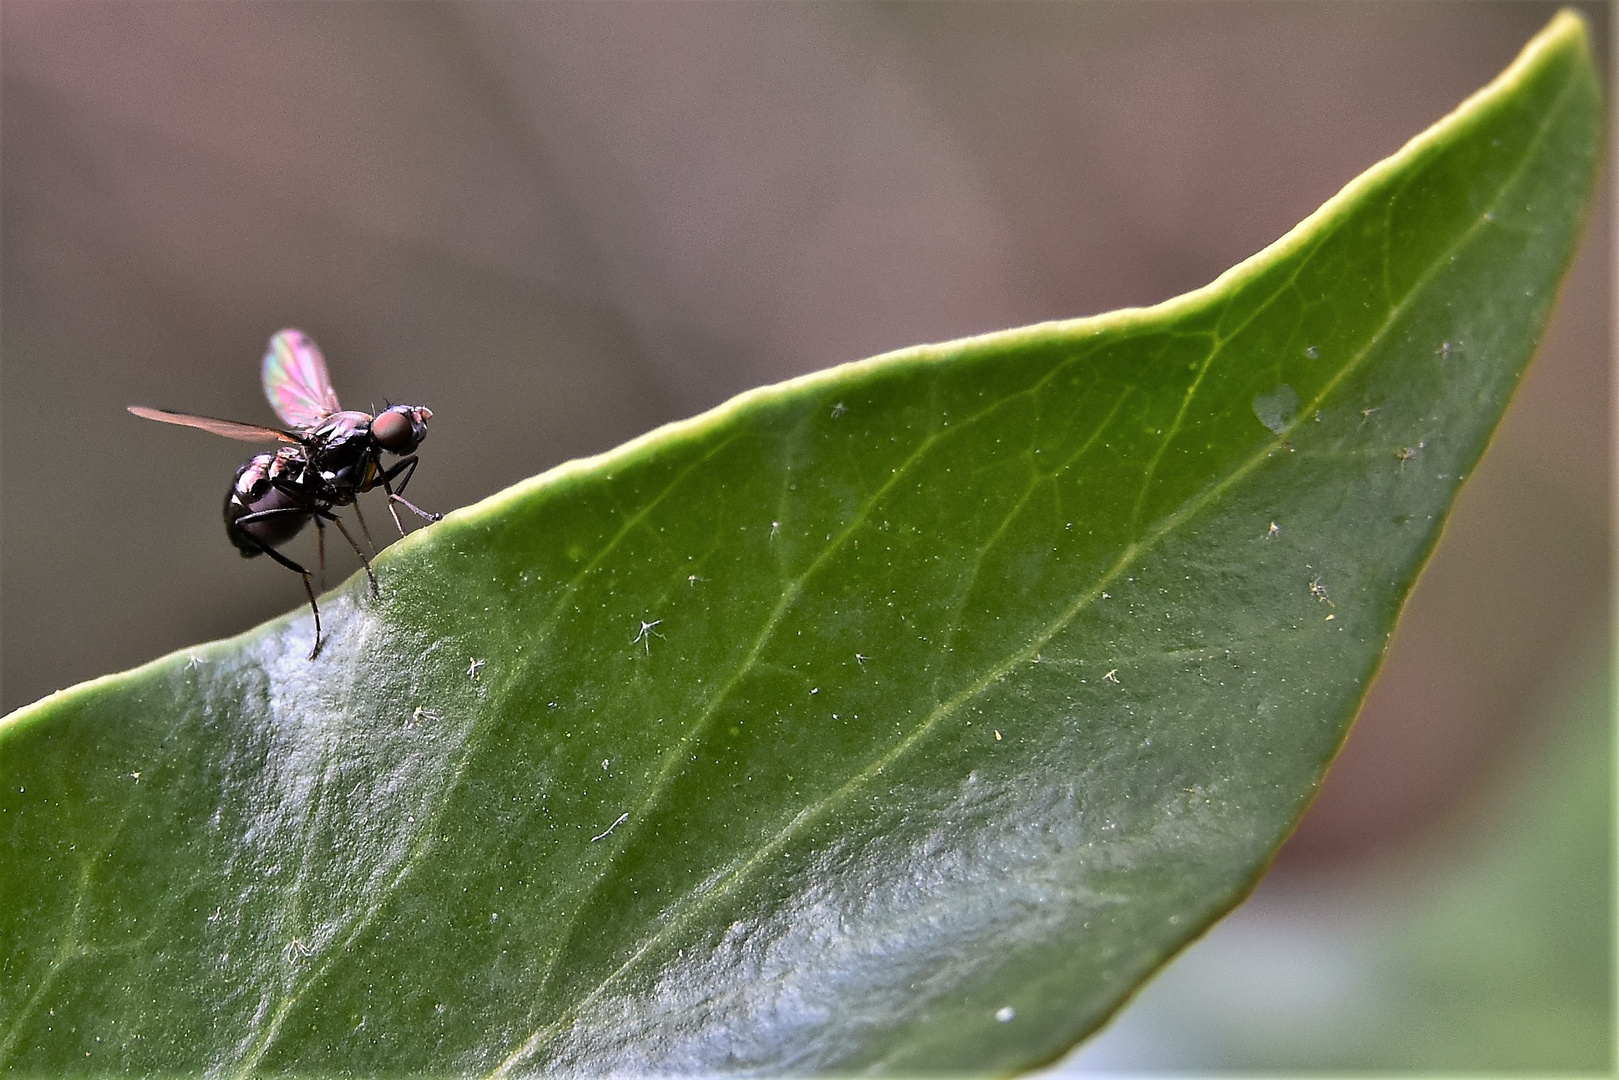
(309, 589)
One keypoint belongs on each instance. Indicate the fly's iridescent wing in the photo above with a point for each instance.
(228, 428)
(296, 382)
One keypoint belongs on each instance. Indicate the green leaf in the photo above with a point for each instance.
(899, 718)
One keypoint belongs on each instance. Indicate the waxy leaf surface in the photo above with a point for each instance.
(901, 718)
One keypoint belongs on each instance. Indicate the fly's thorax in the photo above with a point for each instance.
(341, 448)
(346, 469)
(339, 430)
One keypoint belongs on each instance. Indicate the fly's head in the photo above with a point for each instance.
(399, 429)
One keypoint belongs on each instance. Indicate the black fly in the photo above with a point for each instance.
(334, 456)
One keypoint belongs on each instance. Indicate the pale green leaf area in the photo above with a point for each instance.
(901, 718)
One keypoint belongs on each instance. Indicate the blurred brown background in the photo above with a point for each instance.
(562, 224)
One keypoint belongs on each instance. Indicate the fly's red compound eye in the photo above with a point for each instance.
(392, 431)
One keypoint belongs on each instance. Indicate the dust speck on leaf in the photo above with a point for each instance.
(1318, 589)
(646, 634)
(622, 818)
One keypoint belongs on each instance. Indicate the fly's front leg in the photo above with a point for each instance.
(407, 466)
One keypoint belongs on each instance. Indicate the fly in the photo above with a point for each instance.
(333, 456)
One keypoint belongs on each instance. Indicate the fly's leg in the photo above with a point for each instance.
(427, 515)
(408, 467)
(370, 543)
(263, 515)
(321, 517)
(335, 520)
(320, 549)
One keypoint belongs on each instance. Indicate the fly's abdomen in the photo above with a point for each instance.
(275, 515)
